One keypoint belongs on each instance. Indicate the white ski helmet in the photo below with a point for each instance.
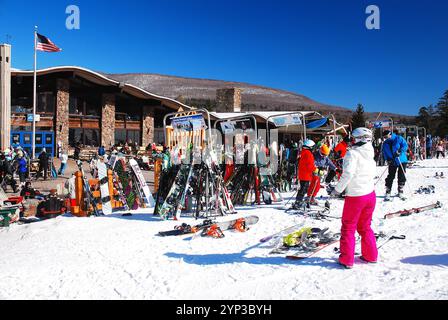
(309, 143)
(362, 135)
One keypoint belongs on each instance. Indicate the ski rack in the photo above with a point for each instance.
(299, 113)
(186, 114)
(206, 141)
(252, 133)
(247, 116)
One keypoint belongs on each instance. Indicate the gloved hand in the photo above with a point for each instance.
(397, 153)
(335, 194)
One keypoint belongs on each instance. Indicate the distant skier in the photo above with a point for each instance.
(306, 169)
(440, 150)
(358, 180)
(428, 146)
(394, 152)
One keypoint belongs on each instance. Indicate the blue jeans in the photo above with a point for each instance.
(62, 169)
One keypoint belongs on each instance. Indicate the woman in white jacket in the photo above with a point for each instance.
(360, 201)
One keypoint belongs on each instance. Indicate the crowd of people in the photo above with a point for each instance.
(353, 165)
(420, 148)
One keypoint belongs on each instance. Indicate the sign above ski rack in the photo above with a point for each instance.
(188, 123)
(379, 124)
(287, 120)
(232, 125)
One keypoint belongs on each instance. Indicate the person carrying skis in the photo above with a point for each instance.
(394, 152)
(323, 163)
(305, 174)
(358, 180)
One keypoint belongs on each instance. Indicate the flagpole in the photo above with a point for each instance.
(34, 95)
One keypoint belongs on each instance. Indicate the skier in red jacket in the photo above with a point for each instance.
(306, 169)
(339, 153)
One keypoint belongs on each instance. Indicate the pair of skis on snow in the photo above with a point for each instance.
(212, 228)
(324, 241)
(407, 212)
(382, 238)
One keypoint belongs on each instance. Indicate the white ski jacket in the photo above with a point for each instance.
(358, 178)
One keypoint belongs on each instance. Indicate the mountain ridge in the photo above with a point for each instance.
(254, 97)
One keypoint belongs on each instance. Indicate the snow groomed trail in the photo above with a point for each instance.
(119, 257)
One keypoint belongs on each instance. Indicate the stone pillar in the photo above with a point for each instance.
(5, 95)
(228, 100)
(108, 120)
(147, 125)
(62, 111)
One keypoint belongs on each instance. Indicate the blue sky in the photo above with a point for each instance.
(320, 48)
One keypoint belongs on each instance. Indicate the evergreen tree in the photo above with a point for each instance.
(442, 115)
(358, 117)
(425, 117)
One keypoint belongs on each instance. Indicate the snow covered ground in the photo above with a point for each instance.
(122, 258)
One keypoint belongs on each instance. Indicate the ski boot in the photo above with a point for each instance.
(298, 205)
(401, 193)
(388, 195)
(313, 202)
(367, 261)
(344, 265)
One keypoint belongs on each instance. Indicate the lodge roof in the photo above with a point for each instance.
(101, 79)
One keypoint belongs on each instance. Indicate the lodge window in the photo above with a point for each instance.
(127, 110)
(46, 102)
(21, 105)
(86, 137)
(122, 136)
(84, 106)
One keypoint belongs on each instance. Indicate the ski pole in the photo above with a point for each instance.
(293, 197)
(404, 173)
(387, 168)
(312, 193)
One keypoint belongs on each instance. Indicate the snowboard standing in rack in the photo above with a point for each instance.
(104, 188)
(126, 182)
(142, 186)
(176, 196)
(89, 199)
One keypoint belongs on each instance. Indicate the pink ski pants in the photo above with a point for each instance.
(357, 216)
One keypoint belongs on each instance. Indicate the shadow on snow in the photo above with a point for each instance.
(429, 260)
(239, 257)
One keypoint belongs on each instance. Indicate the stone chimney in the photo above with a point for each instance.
(5, 96)
(228, 100)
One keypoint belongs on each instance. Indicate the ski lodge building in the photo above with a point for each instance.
(77, 105)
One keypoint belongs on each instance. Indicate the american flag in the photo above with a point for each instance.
(45, 44)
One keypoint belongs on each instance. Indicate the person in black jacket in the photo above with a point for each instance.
(9, 176)
(77, 151)
(43, 163)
